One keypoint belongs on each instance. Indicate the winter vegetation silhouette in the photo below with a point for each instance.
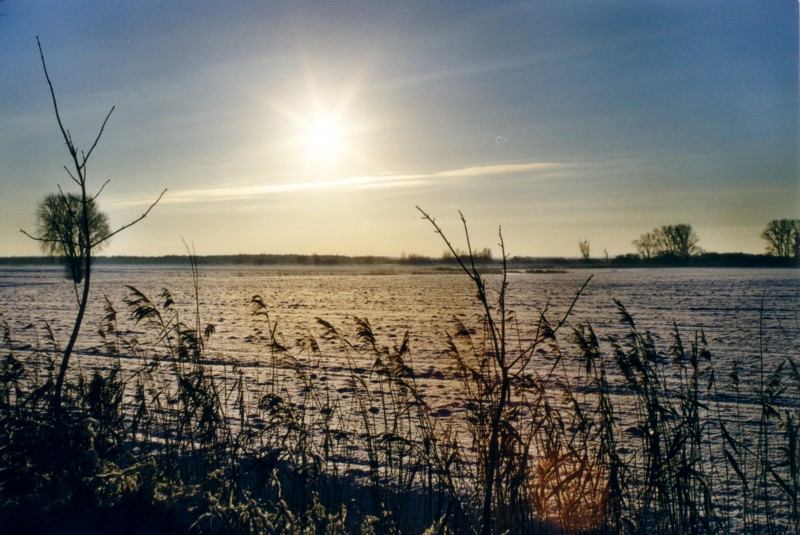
(585, 249)
(677, 241)
(783, 238)
(62, 234)
(335, 430)
(71, 226)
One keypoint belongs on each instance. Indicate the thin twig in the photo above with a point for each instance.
(71, 175)
(575, 300)
(96, 195)
(123, 227)
(432, 221)
(102, 127)
(64, 131)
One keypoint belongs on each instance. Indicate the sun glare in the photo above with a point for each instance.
(323, 134)
(325, 139)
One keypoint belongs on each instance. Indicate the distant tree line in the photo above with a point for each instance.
(677, 244)
(482, 255)
(667, 245)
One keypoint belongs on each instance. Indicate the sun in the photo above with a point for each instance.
(325, 138)
(322, 136)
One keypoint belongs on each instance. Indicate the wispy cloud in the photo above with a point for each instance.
(233, 192)
(500, 169)
(249, 190)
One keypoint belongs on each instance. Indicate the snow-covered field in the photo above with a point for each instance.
(741, 312)
(744, 313)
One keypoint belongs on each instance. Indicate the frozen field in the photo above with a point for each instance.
(731, 306)
(743, 313)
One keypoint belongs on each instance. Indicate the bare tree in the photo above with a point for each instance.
(81, 217)
(679, 241)
(646, 245)
(584, 247)
(783, 237)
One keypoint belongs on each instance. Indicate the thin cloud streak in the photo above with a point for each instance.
(500, 169)
(248, 191)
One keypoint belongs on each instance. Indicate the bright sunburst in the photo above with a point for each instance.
(323, 135)
(325, 139)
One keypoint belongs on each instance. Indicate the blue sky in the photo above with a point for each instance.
(302, 127)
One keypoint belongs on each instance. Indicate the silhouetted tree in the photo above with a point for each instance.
(61, 231)
(783, 237)
(646, 245)
(584, 247)
(678, 241)
(80, 226)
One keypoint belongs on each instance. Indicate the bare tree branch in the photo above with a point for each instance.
(71, 175)
(22, 230)
(64, 131)
(469, 245)
(120, 229)
(86, 156)
(452, 249)
(96, 195)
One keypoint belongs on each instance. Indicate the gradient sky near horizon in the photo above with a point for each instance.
(317, 127)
